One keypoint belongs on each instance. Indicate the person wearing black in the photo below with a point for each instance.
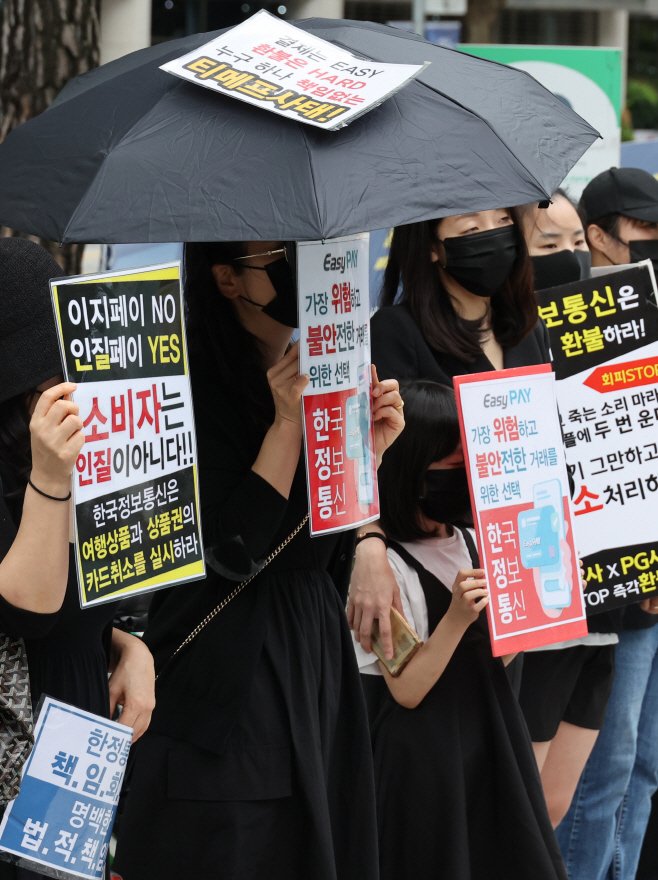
(457, 298)
(69, 650)
(601, 835)
(556, 242)
(619, 210)
(258, 762)
(458, 792)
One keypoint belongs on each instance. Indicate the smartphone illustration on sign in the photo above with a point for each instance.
(357, 442)
(541, 532)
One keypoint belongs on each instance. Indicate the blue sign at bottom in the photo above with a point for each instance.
(61, 822)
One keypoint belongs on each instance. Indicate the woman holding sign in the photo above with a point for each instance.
(458, 298)
(68, 649)
(258, 762)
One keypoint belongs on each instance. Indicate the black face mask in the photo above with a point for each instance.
(642, 249)
(446, 498)
(483, 261)
(283, 308)
(562, 267)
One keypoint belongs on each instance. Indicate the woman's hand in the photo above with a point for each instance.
(57, 439)
(386, 412)
(373, 590)
(132, 683)
(287, 386)
(469, 596)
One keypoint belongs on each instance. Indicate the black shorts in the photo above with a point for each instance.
(569, 684)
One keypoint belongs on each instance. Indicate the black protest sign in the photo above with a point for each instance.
(135, 487)
(604, 341)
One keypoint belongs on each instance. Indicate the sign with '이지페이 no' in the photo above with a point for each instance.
(604, 340)
(270, 63)
(334, 345)
(122, 337)
(521, 508)
(60, 823)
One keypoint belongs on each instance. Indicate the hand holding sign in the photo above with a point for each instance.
(57, 439)
(387, 405)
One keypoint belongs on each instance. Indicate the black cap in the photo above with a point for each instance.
(29, 350)
(628, 191)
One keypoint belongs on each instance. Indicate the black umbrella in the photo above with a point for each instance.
(129, 153)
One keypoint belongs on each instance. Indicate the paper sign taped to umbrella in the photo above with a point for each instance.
(61, 822)
(272, 64)
(603, 335)
(334, 345)
(521, 508)
(122, 337)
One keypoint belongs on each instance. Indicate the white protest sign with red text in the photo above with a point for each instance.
(272, 64)
(334, 345)
(521, 508)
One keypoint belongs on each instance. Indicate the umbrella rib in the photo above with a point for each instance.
(315, 192)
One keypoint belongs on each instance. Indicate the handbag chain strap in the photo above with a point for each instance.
(240, 587)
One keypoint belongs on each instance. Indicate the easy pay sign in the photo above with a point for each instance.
(334, 341)
(271, 64)
(135, 485)
(520, 500)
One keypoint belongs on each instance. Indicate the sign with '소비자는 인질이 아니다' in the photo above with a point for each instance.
(122, 337)
(272, 64)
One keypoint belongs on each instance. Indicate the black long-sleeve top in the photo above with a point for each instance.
(200, 692)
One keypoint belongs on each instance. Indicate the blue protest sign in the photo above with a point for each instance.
(61, 822)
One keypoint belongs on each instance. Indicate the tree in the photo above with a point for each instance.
(44, 44)
(481, 21)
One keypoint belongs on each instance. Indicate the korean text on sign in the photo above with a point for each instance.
(136, 501)
(63, 816)
(608, 400)
(272, 64)
(519, 491)
(334, 326)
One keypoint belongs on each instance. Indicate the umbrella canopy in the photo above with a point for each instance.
(129, 153)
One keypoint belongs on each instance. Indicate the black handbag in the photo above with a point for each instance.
(16, 718)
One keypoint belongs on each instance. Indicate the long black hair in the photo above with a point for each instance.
(217, 340)
(513, 314)
(15, 442)
(431, 433)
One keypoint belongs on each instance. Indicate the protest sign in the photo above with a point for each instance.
(122, 337)
(60, 823)
(520, 500)
(272, 64)
(604, 340)
(334, 328)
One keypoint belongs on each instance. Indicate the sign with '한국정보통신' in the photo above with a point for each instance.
(521, 508)
(122, 336)
(334, 342)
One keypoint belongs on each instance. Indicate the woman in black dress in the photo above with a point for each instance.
(258, 761)
(69, 649)
(458, 791)
(458, 298)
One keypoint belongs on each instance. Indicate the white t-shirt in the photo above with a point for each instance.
(443, 557)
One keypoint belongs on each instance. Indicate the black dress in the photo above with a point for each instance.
(257, 763)
(458, 792)
(68, 651)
